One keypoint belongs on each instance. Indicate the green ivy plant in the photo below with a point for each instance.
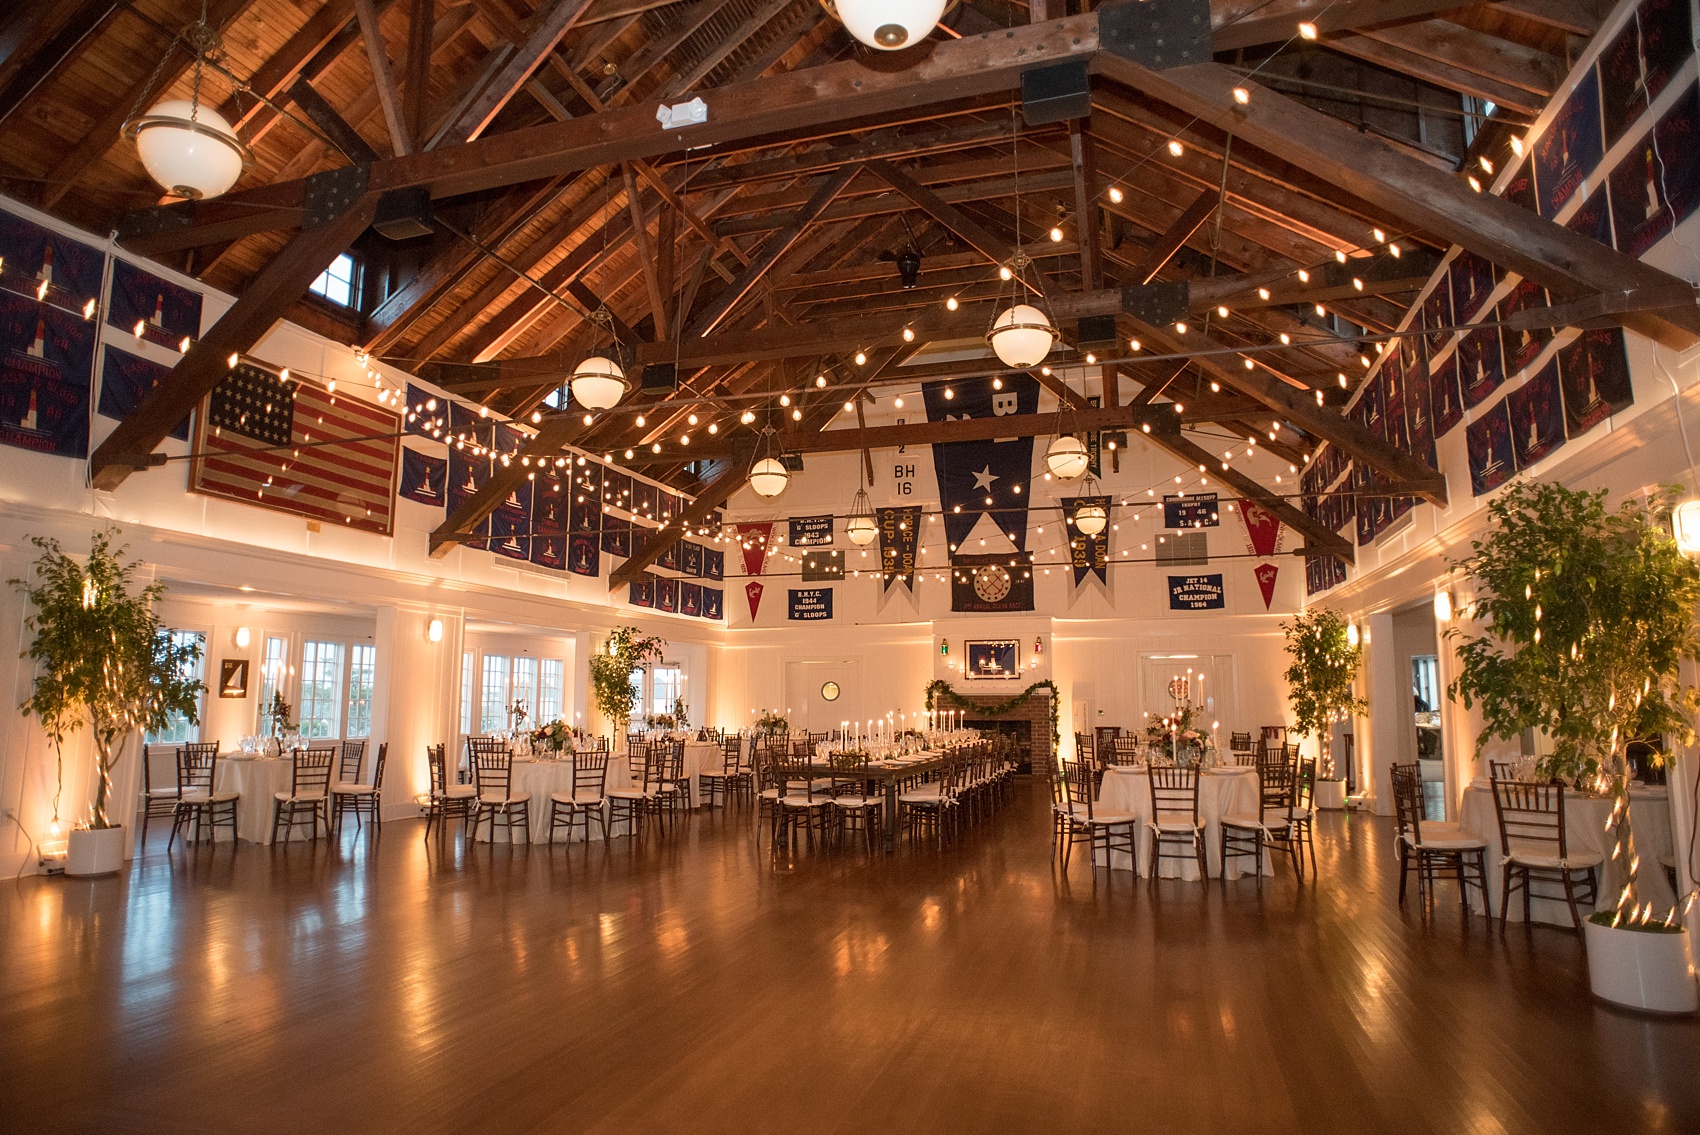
(940, 693)
(1582, 618)
(101, 658)
(1319, 681)
(626, 650)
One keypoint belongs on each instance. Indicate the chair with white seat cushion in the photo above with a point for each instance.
(585, 797)
(632, 804)
(445, 800)
(352, 756)
(799, 803)
(1434, 850)
(309, 792)
(1077, 817)
(1174, 816)
(359, 798)
(1534, 848)
(854, 808)
(157, 803)
(493, 776)
(1270, 826)
(197, 797)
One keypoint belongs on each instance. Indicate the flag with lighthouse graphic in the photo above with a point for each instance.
(35, 261)
(152, 308)
(46, 370)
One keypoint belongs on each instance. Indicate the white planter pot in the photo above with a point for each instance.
(1331, 794)
(95, 851)
(1653, 972)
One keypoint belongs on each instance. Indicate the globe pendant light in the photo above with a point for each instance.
(1021, 334)
(599, 382)
(860, 525)
(887, 25)
(768, 476)
(1090, 516)
(1066, 458)
(190, 149)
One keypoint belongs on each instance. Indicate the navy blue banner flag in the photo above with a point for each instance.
(423, 478)
(1444, 399)
(1196, 511)
(549, 521)
(713, 603)
(124, 379)
(643, 500)
(1570, 148)
(1595, 371)
(427, 415)
(669, 558)
(584, 510)
(667, 505)
(690, 599)
(1471, 279)
(467, 473)
(690, 557)
(616, 490)
(1488, 440)
(32, 255)
(1088, 555)
(584, 554)
(807, 604)
(971, 473)
(713, 563)
(510, 524)
(666, 593)
(1323, 572)
(810, 531)
(642, 591)
(1195, 592)
(1481, 368)
(616, 535)
(900, 536)
(466, 423)
(46, 370)
(1537, 416)
(1636, 67)
(1521, 347)
(153, 308)
(991, 584)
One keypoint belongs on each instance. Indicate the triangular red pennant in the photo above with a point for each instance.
(754, 538)
(1266, 581)
(752, 590)
(1262, 528)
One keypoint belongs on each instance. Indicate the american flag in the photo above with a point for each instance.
(350, 483)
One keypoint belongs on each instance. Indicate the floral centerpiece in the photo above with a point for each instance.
(847, 758)
(556, 736)
(666, 721)
(1178, 730)
(772, 721)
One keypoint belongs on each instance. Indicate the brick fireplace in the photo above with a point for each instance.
(1034, 713)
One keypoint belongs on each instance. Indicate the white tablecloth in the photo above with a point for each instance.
(1221, 792)
(256, 780)
(1585, 830)
(541, 778)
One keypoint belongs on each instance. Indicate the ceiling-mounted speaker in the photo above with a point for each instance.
(404, 214)
(1095, 330)
(660, 376)
(1056, 94)
(793, 462)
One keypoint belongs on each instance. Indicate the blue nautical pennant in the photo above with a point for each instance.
(972, 472)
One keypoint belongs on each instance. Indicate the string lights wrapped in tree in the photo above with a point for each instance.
(1585, 616)
(1319, 682)
(611, 669)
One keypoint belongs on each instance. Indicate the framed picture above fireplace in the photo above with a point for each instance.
(992, 659)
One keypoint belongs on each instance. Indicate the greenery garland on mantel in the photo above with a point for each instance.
(939, 691)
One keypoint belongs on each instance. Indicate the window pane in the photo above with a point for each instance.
(466, 664)
(178, 730)
(321, 690)
(550, 672)
(664, 689)
(274, 668)
(525, 686)
(493, 705)
(637, 697)
(336, 283)
(362, 677)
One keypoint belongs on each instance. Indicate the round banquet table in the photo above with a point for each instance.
(255, 780)
(1221, 792)
(541, 778)
(1585, 820)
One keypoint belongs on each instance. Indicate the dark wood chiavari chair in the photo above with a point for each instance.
(1500, 770)
(1083, 750)
(446, 800)
(586, 796)
(1124, 751)
(800, 801)
(197, 795)
(932, 806)
(1534, 848)
(1434, 850)
(493, 771)
(475, 746)
(1245, 834)
(725, 782)
(673, 789)
(1174, 815)
(361, 799)
(157, 803)
(636, 801)
(854, 807)
(352, 756)
(1082, 822)
(309, 792)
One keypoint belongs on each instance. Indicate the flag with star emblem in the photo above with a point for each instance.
(983, 485)
(335, 462)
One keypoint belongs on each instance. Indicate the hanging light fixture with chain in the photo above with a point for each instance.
(887, 25)
(768, 475)
(1090, 515)
(187, 147)
(599, 382)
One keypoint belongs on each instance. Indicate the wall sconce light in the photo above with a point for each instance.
(242, 638)
(1038, 646)
(1443, 606)
(944, 646)
(1352, 636)
(434, 630)
(1685, 526)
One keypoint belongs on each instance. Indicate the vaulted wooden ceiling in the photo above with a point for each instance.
(769, 237)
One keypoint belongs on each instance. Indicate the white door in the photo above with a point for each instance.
(820, 695)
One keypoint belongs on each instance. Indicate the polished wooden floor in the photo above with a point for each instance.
(395, 986)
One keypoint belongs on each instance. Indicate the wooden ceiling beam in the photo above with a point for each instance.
(1172, 239)
(990, 245)
(715, 493)
(1249, 23)
(383, 76)
(1435, 72)
(542, 35)
(1475, 53)
(555, 433)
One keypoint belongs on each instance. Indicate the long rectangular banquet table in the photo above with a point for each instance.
(889, 775)
(1585, 820)
(542, 777)
(1222, 792)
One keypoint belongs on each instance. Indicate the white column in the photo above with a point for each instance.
(1389, 698)
(413, 703)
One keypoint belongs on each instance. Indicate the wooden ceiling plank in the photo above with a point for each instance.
(1476, 53)
(645, 250)
(1249, 23)
(989, 244)
(1435, 72)
(416, 78)
(545, 33)
(1174, 238)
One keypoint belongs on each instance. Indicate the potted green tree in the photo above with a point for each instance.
(1319, 686)
(101, 660)
(611, 668)
(1585, 615)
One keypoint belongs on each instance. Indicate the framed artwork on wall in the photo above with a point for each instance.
(992, 659)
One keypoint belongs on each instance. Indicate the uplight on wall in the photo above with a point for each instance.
(1351, 634)
(1443, 606)
(242, 638)
(1685, 526)
(434, 630)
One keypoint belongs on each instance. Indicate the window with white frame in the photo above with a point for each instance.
(321, 689)
(666, 686)
(274, 670)
(493, 701)
(524, 688)
(179, 729)
(550, 672)
(467, 664)
(362, 680)
(637, 681)
(337, 283)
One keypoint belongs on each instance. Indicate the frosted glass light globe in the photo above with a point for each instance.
(768, 478)
(1685, 525)
(861, 530)
(1022, 336)
(196, 158)
(598, 383)
(888, 25)
(1091, 518)
(1066, 458)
